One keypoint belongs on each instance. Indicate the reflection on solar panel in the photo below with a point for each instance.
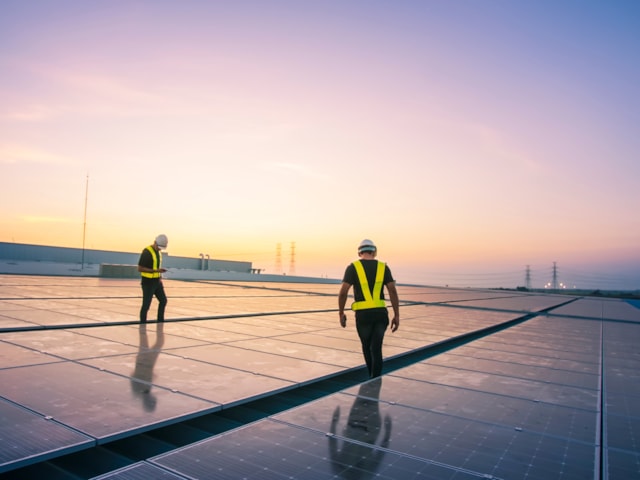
(258, 381)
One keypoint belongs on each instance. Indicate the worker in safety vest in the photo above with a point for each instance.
(150, 268)
(368, 276)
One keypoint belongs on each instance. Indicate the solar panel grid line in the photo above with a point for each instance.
(266, 450)
(45, 438)
(128, 362)
(140, 471)
(621, 465)
(545, 347)
(259, 363)
(524, 326)
(521, 358)
(315, 353)
(10, 306)
(621, 418)
(619, 354)
(538, 329)
(600, 309)
(96, 403)
(231, 387)
(496, 408)
(600, 462)
(136, 322)
(544, 429)
(507, 347)
(196, 333)
(521, 424)
(450, 354)
(291, 347)
(9, 323)
(445, 439)
(14, 355)
(625, 439)
(227, 463)
(382, 447)
(106, 364)
(521, 371)
(603, 429)
(519, 388)
(473, 365)
(621, 310)
(284, 324)
(65, 345)
(130, 336)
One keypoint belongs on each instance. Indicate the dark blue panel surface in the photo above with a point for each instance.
(552, 375)
(521, 358)
(139, 471)
(26, 437)
(465, 443)
(272, 450)
(521, 402)
(534, 390)
(512, 412)
(623, 432)
(622, 465)
(100, 404)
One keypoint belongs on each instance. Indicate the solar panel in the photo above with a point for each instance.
(26, 437)
(139, 471)
(521, 402)
(273, 450)
(97, 403)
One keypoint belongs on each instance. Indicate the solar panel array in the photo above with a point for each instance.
(512, 385)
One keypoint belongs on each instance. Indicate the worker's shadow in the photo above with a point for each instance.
(357, 459)
(142, 376)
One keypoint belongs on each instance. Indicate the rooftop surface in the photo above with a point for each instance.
(257, 381)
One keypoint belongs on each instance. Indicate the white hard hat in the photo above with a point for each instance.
(366, 245)
(162, 241)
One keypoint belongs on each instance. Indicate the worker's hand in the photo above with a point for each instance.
(162, 270)
(395, 323)
(343, 320)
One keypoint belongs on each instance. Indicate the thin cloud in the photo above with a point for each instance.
(298, 169)
(497, 146)
(89, 93)
(106, 87)
(45, 219)
(29, 113)
(20, 154)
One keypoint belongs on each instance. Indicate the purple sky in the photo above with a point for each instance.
(468, 139)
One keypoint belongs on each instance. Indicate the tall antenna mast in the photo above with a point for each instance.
(84, 228)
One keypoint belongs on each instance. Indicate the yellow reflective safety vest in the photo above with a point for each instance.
(157, 263)
(371, 297)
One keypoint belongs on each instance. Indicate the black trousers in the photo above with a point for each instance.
(371, 326)
(152, 287)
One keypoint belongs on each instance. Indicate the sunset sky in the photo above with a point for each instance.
(468, 139)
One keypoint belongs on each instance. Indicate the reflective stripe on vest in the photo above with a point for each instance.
(157, 261)
(371, 299)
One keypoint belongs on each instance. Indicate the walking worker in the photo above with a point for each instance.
(368, 276)
(150, 268)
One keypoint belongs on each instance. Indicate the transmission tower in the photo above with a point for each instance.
(278, 265)
(527, 278)
(292, 261)
(554, 277)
